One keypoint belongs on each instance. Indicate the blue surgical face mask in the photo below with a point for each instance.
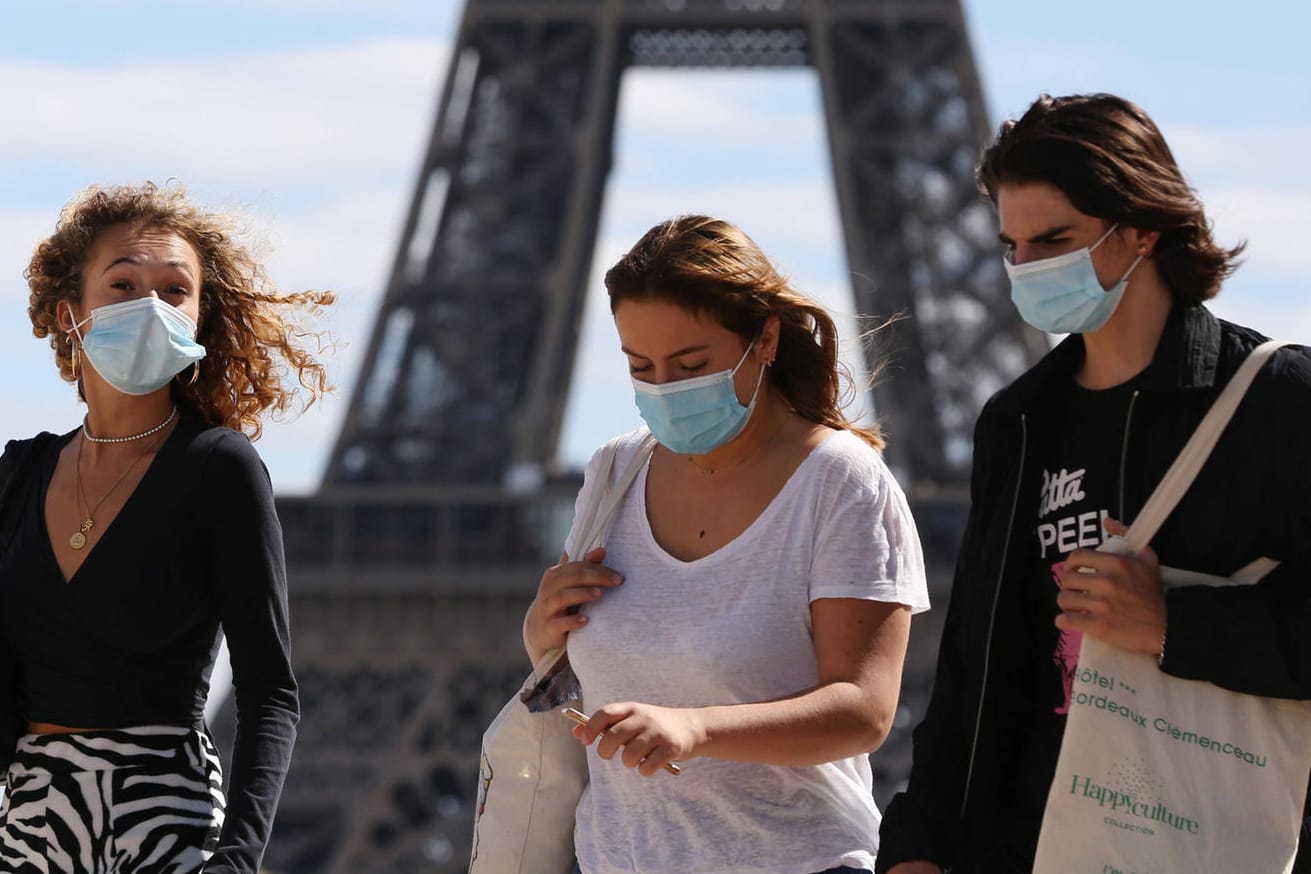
(1062, 295)
(695, 416)
(139, 345)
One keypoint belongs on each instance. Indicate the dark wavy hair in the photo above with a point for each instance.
(1109, 158)
(709, 266)
(251, 342)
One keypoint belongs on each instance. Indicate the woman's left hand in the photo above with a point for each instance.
(648, 736)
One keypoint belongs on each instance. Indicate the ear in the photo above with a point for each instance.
(767, 347)
(1144, 242)
(64, 315)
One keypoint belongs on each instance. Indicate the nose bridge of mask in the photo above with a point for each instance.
(1057, 262)
(112, 311)
(691, 383)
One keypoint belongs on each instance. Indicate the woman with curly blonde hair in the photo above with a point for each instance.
(130, 545)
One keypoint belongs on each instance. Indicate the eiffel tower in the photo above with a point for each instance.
(411, 567)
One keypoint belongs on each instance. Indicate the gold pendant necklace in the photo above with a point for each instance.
(77, 539)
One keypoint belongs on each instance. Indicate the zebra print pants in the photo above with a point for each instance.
(123, 801)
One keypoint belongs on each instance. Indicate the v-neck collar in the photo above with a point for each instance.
(166, 449)
(745, 537)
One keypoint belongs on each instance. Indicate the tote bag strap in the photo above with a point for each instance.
(1196, 451)
(596, 515)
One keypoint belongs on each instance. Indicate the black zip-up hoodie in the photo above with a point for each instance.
(1252, 499)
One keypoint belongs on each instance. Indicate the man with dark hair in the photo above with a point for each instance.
(1105, 242)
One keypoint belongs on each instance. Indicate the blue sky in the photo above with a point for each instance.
(309, 118)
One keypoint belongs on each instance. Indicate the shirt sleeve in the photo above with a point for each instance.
(248, 574)
(866, 544)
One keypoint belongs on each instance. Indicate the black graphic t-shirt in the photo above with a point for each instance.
(1079, 444)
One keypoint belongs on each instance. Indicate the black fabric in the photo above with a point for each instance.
(131, 638)
(1250, 500)
(16, 481)
(1078, 443)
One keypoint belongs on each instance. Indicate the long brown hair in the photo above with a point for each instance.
(709, 266)
(1109, 158)
(251, 341)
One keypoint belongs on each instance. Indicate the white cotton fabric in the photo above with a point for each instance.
(735, 627)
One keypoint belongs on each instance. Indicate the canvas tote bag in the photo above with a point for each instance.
(533, 770)
(1159, 775)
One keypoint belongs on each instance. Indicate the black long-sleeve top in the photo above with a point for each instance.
(131, 639)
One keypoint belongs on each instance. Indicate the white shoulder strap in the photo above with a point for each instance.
(605, 499)
(596, 515)
(1196, 451)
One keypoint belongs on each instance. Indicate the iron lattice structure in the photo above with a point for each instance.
(411, 568)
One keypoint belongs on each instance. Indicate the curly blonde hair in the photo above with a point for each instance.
(252, 342)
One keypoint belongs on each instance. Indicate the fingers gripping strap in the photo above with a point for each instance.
(1196, 451)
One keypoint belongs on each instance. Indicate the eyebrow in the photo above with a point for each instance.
(684, 351)
(133, 260)
(1045, 237)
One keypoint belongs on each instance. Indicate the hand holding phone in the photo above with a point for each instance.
(582, 719)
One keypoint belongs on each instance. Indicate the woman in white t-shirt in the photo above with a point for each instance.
(749, 612)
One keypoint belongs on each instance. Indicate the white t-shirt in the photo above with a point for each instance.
(734, 627)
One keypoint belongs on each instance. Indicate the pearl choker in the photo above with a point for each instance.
(155, 430)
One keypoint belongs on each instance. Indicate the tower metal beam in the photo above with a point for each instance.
(411, 568)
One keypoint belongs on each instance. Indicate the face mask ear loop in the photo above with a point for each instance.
(1109, 231)
(759, 379)
(74, 347)
(76, 324)
(1125, 277)
(742, 360)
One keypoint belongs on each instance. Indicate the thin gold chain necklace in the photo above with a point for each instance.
(766, 442)
(78, 538)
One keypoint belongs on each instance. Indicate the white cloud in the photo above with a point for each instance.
(794, 217)
(1272, 152)
(1273, 222)
(20, 231)
(754, 109)
(289, 118)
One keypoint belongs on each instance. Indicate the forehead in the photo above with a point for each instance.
(144, 245)
(652, 325)
(1031, 208)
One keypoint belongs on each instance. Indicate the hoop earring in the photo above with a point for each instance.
(75, 358)
(195, 373)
